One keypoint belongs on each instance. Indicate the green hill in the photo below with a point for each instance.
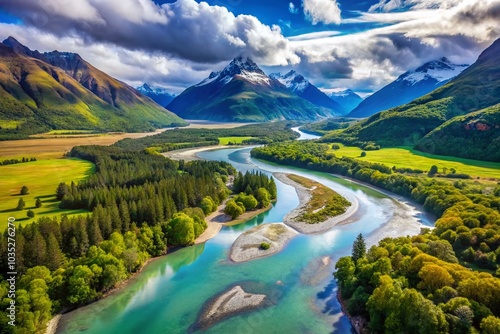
(473, 136)
(40, 92)
(476, 88)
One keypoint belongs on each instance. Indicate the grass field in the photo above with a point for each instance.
(234, 140)
(406, 157)
(42, 178)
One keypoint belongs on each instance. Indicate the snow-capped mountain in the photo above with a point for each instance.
(242, 92)
(299, 85)
(159, 95)
(409, 86)
(347, 99)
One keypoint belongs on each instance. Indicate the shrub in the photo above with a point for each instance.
(264, 246)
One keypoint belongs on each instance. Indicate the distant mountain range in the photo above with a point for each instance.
(347, 99)
(469, 103)
(409, 86)
(297, 84)
(60, 90)
(159, 95)
(242, 92)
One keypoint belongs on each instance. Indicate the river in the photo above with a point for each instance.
(169, 293)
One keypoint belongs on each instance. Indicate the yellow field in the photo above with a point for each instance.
(406, 157)
(234, 140)
(42, 178)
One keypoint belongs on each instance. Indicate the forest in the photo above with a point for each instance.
(447, 277)
(141, 205)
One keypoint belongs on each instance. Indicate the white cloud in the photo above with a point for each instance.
(292, 8)
(314, 35)
(184, 29)
(322, 11)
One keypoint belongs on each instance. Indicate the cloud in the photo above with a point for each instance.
(460, 31)
(185, 29)
(322, 11)
(292, 9)
(314, 35)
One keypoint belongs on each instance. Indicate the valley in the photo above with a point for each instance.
(285, 167)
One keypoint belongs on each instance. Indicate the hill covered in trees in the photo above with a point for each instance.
(473, 136)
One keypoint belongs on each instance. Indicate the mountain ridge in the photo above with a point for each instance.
(60, 90)
(242, 92)
(299, 85)
(408, 87)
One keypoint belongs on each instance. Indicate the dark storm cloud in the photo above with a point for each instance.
(185, 29)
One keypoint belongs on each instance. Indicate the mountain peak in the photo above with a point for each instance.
(14, 44)
(292, 80)
(437, 70)
(145, 87)
(239, 65)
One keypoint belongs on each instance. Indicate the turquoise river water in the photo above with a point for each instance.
(169, 293)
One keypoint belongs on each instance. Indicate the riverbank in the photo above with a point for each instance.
(305, 196)
(248, 245)
(402, 221)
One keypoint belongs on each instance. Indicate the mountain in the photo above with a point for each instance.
(347, 99)
(60, 90)
(297, 84)
(242, 92)
(473, 136)
(159, 95)
(476, 88)
(409, 86)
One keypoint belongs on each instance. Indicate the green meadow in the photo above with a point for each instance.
(42, 178)
(234, 140)
(406, 157)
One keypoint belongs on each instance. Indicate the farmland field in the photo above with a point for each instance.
(42, 178)
(234, 140)
(406, 157)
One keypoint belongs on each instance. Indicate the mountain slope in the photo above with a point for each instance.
(242, 92)
(297, 84)
(409, 86)
(57, 90)
(159, 95)
(476, 88)
(473, 136)
(347, 99)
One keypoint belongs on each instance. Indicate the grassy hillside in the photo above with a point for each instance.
(476, 88)
(41, 178)
(37, 96)
(474, 136)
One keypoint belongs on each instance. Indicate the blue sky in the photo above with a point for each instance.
(336, 44)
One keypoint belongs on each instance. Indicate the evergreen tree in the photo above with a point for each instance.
(30, 214)
(24, 190)
(20, 204)
(62, 190)
(38, 203)
(358, 248)
(55, 257)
